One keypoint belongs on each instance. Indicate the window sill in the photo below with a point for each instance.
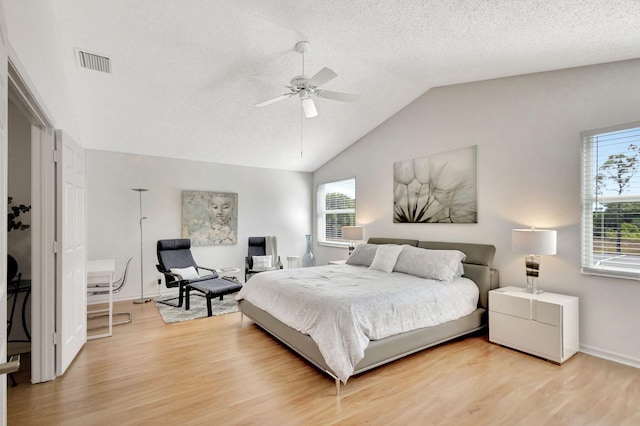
(333, 244)
(612, 273)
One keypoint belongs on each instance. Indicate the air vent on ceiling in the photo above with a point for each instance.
(93, 61)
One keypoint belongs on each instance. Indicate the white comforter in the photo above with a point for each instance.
(343, 307)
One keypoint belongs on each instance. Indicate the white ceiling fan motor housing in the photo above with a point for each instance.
(299, 82)
(303, 47)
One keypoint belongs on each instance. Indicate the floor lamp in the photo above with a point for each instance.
(142, 298)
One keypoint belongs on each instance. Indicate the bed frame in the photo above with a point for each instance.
(477, 267)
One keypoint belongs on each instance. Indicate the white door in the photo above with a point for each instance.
(4, 96)
(71, 276)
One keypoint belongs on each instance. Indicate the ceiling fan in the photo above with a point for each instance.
(308, 87)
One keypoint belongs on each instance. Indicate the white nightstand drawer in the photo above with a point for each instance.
(533, 337)
(548, 313)
(506, 303)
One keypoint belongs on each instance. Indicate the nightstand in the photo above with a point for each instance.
(544, 325)
(337, 262)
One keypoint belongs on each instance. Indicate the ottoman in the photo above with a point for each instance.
(216, 287)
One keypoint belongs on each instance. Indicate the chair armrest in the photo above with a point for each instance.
(174, 275)
(213, 272)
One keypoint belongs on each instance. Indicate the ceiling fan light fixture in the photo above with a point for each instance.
(306, 87)
(309, 107)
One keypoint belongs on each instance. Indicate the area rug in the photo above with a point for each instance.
(198, 308)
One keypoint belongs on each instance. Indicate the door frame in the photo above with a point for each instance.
(25, 97)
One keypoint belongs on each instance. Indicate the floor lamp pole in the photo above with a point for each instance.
(142, 298)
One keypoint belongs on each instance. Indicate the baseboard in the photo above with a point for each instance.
(611, 356)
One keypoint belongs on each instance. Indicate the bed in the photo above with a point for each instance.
(262, 296)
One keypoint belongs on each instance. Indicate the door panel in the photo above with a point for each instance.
(71, 285)
(4, 98)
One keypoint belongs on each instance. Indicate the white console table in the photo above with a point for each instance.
(101, 271)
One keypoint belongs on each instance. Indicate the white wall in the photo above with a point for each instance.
(527, 129)
(33, 37)
(270, 202)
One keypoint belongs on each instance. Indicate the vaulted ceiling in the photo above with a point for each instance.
(186, 73)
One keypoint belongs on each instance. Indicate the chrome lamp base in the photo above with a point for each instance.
(532, 263)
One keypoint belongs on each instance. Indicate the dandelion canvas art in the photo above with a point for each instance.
(210, 218)
(441, 188)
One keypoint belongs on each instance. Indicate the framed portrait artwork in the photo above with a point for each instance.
(210, 218)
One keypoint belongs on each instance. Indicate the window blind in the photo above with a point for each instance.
(611, 201)
(336, 208)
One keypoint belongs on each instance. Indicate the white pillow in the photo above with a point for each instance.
(385, 258)
(441, 265)
(189, 273)
(363, 255)
(261, 263)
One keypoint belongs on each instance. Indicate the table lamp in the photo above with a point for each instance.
(533, 242)
(352, 234)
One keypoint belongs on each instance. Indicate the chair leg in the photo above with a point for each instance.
(127, 321)
(187, 292)
(209, 310)
(180, 298)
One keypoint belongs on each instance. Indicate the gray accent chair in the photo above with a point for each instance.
(257, 247)
(177, 254)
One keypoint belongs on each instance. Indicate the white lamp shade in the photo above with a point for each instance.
(352, 233)
(533, 241)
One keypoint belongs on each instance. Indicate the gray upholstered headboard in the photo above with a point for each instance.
(477, 264)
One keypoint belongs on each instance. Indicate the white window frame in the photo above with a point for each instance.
(591, 263)
(322, 212)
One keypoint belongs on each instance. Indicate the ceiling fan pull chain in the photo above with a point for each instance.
(301, 109)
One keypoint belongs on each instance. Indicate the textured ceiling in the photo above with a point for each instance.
(186, 73)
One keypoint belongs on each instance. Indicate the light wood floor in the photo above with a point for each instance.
(219, 371)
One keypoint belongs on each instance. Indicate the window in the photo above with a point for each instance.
(336, 208)
(611, 201)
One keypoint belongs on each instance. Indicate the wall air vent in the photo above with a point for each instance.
(92, 61)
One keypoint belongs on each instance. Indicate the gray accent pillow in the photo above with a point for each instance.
(362, 254)
(385, 258)
(441, 265)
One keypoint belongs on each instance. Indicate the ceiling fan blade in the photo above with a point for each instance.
(309, 107)
(274, 100)
(322, 76)
(337, 96)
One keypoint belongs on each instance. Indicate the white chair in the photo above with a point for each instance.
(96, 289)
